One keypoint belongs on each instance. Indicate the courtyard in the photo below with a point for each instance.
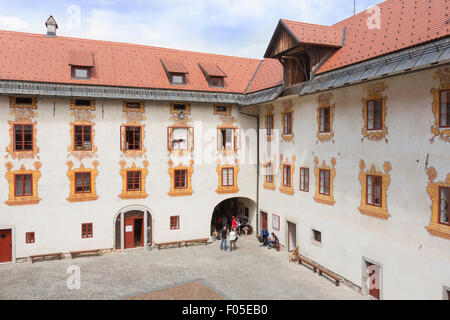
(195, 272)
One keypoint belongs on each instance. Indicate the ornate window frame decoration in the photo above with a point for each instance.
(374, 91)
(269, 185)
(226, 113)
(14, 200)
(236, 138)
(138, 194)
(187, 111)
(126, 109)
(73, 106)
(287, 108)
(85, 118)
(78, 197)
(289, 190)
(228, 189)
(322, 198)
(380, 212)
(12, 104)
(269, 112)
(189, 142)
(444, 79)
(23, 116)
(324, 101)
(177, 192)
(436, 228)
(133, 119)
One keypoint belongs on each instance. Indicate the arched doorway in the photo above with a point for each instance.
(239, 207)
(133, 228)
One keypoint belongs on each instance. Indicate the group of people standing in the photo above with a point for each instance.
(231, 233)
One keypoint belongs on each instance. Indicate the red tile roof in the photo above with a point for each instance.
(212, 70)
(269, 75)
(174, 66)
(81, 59)
(34, 57)
(404, 23)
(308, 33)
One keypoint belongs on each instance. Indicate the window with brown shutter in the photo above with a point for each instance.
(23, 137)
(324, 120)
(131, 137)
(82, 137)
(23, 185)
(287, 118)
(29, 237)
(227, 177)
(286, 175)
(174, 222)
(324, 179)
(304, 179)
(86, 230)
(269, 173)
(374, 190)
(133, 180)
(444, 201)
(374, 114)
(444, 111)
(180, 179)
(82, 182)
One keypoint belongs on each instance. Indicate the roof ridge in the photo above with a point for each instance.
(311, 24)
(37, 35)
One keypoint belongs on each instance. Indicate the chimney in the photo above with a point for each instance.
(51, 27)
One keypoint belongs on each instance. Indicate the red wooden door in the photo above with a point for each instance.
(374, 280)
(264, 220)
(129, 232)
(5, 245)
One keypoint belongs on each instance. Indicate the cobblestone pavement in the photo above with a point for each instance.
(252, 272)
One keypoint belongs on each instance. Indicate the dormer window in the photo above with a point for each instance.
(176, 72)
(81, 63)
(177, 78)
(214, 75)
(81, 73)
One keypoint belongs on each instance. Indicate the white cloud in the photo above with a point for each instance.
(13, 23)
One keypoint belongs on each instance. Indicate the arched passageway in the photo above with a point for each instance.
(244, 209)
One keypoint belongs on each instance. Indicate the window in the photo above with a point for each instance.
(287, 120)
(444, 111)
(324, 120)
(86, 230)
(444, 200)
(174, 222)
(133, 105)
(177, 78)
(227, 177)
(304, 179)
(375, 114)
(81, 72)
(374, 193)
(29, 237)
(269, 119)
(317, 236)
(324, 186)
(180, 179)
(227, 138)
(23, 101)
(83, 134)
(82, 103)
(23, 185)
(286, 175)
(179, 139)
(178, 107)
(23, 137)
(269, 174)
(222, 109)
(82, 182)
(216, 82)
(131, 138)
(133, 180)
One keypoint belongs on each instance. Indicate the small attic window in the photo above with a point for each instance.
(214, 75)
(177, 78)
(81, 72)
(176, 71)
(216, 82)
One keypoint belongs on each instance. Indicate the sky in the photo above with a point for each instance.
(230, 27)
